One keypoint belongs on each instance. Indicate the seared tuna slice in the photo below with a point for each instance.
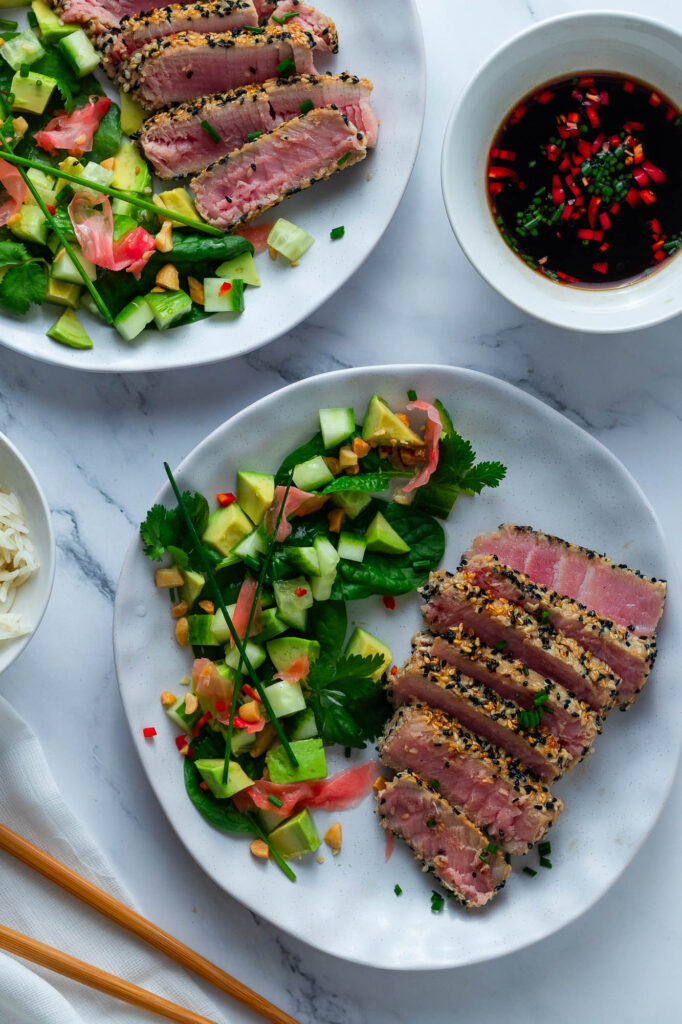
(494, 791)
(189, 64)
(209, 16)
(616, 592)
(312, 20)
(563, 715)
(288, 159)
(443, 838)
(423, 679)
(629, 656)
(454, 601)
(347, 92)
(108, 13)
(265, 9)
(176, 144)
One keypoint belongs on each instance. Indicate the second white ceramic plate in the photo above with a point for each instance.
(560, 480)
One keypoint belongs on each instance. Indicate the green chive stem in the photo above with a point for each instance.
(276, 856)
(115, 193)
(230, 625)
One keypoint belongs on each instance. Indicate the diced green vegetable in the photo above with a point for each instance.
(241, 742)
(366, 645)
(192, 586)
(382, 425)
(168, 307)
(253, 545)
(178, 200)
(180, 717)
(327, 555)
(254, 652)
(62, 293)
(133, 318)
(296, 836)
(270, 626)
(351, 546)
(255, 492)
(64, 269)
(241, 267)
(30, 224)
(79, 53)
(24, 49)
(336, 425)
(289, 240)
(303, 559)
(226, 527)
(285, 698)
(200, 631)
(221, 296)
(44, 186)
(285, 651)
(131, 173)
(32, 92)
(381, 536)
(69, 331)
(303, 726)
(122, 225)
(322, 586)
(312, 473)
(132, 114)
(211, 771)
(312, 763)
(51, 28)
(352, 502)
(293, 598)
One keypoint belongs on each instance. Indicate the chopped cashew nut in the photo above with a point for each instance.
(20, 126)
(196, 291)
(403, 418)
(182, 631)
(164, 239)
(250, 711)
(185, 750)
(191, 703)
(167, 699)
(352, 470)
(179, 609)
(259, 849)
(335, 519)
(207, 606)
(168, 276)
(332, 837)
(168, 577)
(360, 447)
(273, 253)
(347, 457)
(332, 465)
(108, 165)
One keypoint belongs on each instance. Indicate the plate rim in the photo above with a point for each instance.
(511, 390)
(50, 356)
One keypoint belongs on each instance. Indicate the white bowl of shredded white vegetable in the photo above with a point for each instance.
(27, 553)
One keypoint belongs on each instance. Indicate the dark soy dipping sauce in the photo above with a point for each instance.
(585, 180)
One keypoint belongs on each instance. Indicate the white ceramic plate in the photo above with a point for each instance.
(584, 41)
(32, 598)
(561, 480)
(363, 199)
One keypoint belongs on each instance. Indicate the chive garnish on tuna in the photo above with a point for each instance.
(525, 670)
(341, 161)
(337, 232)
(437, 902)
(275, 800)
(284, 18)
(545, 863)
(545, 615)
(286, 67)
(397, 890)
(412, 395)
(306, 106)
(434, 783)
(530, 871)
(500, 645)
(256, 29)
(252, 136)
(431, 823)
(210, 131)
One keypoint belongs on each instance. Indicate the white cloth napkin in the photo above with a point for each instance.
(31, 805)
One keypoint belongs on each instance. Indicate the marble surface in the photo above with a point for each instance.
(97, 444)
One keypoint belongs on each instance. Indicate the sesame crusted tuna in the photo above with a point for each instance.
(312, 20)
(563, 715)
(453, 600)
(176, 142)
(189, 64)
(423, 679)
(287, 160)
(265, 9)
(443, 839)
(615, 592)
(629, 656)
(494, 791)
(108, 13)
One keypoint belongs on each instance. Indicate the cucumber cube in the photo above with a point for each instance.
(24, 49)
(352, 502)
(327, 556)
(241, 741)
(69, 331)
(168, 307)
(44, 186)
(79, 53)
(293, 598)
(253, 545)
(254, 652)
(322, 586)
(133, 318)
(336, 425)
(30, 224)
(32, 92)
(270, 626)
(303, 559)
(221, 296)
(285, 698)
(289, 240)
(200, 630)
(312, 763)
(351, 547)
(285, 651)
(179, 716)
(303, 726)
(64, 269)
(312, 474)
(241, 267)
(381, 536)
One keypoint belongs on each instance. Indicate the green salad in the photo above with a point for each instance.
(259, 588)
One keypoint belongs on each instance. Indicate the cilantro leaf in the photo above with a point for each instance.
(164, 530)
(350, 707)
(483, 474)
(23, 285)
(12, 253)
(158, 531)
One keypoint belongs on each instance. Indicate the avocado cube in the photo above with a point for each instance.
(131, 173)
(269, 820)
(255, 493)
(62, 293)
(29, 224)
(226, 527)
(69, 331)
(178, 200)
(363, 643)
(192, 586)
(32, 91)
(132, 114)
(44, 186)
(51, 28)
(383, 426)
(381, 536)
(284, 651)
(211, 770)
(312, 764)
(296, 836)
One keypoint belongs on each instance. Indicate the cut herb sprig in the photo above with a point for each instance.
(230, 625)
(115, 193)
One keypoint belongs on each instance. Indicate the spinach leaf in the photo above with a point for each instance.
(107, 138)
(372, 482)
(392, 574)
(327, 623)
(221, 814)
(315, 446)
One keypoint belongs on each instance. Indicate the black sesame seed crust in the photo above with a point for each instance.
(490, 763)
(445, 815)
(324, 28)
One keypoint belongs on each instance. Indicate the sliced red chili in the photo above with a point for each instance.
(148, 732)
(389, 602)
(225, 498)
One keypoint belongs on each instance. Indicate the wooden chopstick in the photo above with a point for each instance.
(93, 977)
(117, 912)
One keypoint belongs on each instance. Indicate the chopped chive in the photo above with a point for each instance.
(412, 395)
(337, 232)
(530, 871)
(24, 70)
(540, 698)
(30, 18)
(545, 615)
(545, 862)
(434, 783)
(544, 848)
(210, 131)
(397, 890)
(431, 823)
(256, 29)
(493, 848)
(285, 17)
(306, 106)
(252, 563)
(437, 902)
(286, 67)
(500, 645)
(275, 800)
(341, 161)
(525, 670)
(253, 135)
(10, 26)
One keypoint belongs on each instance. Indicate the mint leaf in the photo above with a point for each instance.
(12, 253)
(23, 285)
